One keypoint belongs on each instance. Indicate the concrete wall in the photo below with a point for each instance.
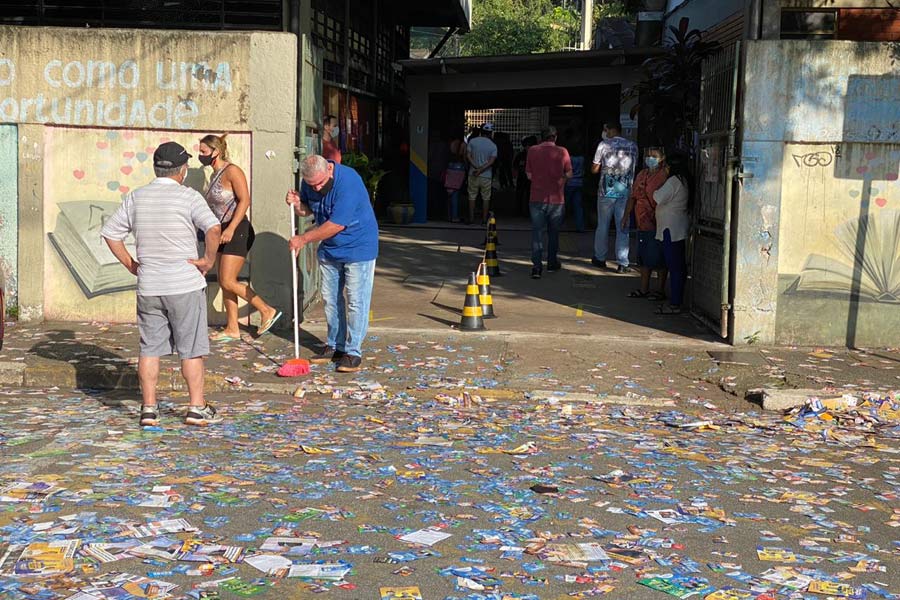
(818, 258)
(9, 213)
(91, 105)
(421, 86)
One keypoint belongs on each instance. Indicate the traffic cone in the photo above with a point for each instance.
(472, 316)
(484, 292)
(490, 259)
(492, 229)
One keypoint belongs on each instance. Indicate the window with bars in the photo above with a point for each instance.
(165, 14)
(328, 34)
(517, 122)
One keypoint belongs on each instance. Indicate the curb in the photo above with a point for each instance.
(782, 400)
(599, 399)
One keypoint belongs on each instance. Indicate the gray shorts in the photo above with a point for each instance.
(174, 323)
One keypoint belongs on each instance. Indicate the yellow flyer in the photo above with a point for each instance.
(400, 593)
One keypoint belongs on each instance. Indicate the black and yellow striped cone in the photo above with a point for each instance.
(490, 259)
(484, 293)
(472, 316)
(492, 229)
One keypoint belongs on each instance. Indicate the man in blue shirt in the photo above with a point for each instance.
(348, 245)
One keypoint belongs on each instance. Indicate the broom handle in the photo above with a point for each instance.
(294, 286)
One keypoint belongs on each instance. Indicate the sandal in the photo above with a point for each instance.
(268, 324)
(223, 337)
(655, 296)
(668, 309)
(638, 294)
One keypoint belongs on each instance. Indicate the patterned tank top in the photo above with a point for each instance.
(221, 201)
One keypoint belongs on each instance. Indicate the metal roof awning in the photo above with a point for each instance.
(530, 62)
(435, 13)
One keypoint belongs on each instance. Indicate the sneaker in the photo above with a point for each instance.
(536, 273)
(621, 269)
(327, 355)
(554, 266)
(349, 363)
(149, 415)
(598, 263)
(202, 417)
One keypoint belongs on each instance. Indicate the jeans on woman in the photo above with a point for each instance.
(674, 253)
(574, 199)
(348, 319)
(454, 204)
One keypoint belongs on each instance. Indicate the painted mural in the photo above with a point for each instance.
(87, 172)
(839, 237)
(9, 211)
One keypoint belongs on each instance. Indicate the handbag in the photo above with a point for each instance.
(454, 176)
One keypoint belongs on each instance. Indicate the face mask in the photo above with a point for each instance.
(604, 136)
(206, 159)
(652, 162)
(327, 187)
(335, 132)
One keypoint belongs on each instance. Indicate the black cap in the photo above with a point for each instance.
(170, 155)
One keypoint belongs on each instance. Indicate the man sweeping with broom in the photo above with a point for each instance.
(347, 233)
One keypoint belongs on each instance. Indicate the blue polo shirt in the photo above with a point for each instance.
(346, 204)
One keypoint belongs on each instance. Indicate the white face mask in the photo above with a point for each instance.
(335, 132)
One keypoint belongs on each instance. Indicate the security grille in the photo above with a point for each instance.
(517, 122)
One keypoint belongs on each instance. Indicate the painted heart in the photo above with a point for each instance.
(875, 191)
(112, 185)
(128, 154)
(141, 156)
(149, 149)
(854, 193)
(870, 155)
(892, 176)
(126, 169)
(103, 145)
(881, 201)
(112, 135)
(78, 173)
(163, 140)
(128, 135)
(861, 170)
(124, 189)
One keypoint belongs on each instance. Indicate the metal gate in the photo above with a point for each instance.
(711, 239)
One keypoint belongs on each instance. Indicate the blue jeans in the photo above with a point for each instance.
(348, 320)
(675, 262)
(549, 217)
(611, 208)
(454, 204)
(574, 199)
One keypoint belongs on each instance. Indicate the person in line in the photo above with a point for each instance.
(642, 204)
(672, 225)
(615, 162)
(331, 139)
(164, 217)
(228, 197)
(575, 184)
(504, 159)
(481, 153)
(348, 245)
(523, 186)
(455, 176)
(548, 168)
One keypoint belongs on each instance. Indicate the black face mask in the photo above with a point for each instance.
(206, 159)
(327, 187)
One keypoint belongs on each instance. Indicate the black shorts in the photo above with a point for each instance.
(242, 240)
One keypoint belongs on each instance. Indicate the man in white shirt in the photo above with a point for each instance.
(164, 217)
(481, 153)
(615, 161)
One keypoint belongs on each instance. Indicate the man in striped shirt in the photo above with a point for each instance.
(164, 217)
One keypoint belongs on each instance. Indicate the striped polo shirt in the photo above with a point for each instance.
(164, 217)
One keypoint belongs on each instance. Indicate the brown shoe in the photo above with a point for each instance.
(349, 364)
(327, 355)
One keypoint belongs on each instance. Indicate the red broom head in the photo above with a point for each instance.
(296, 367)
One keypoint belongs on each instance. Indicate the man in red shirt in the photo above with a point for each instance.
(331, 139)
(547, 166)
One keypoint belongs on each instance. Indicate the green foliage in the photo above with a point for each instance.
(520, 27)
(369, 170)
(669, 95)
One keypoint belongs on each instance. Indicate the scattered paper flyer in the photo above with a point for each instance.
(161, 528)
(330, 571)
(425, 537)
(33, 492)
(586, 552)
(676, 585)
(832, 588)
(776, 554)
(291, 545)
(269, 564)
(400, 593)
(47, 558)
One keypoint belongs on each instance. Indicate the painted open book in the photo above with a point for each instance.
(76, 238)
(878, 258)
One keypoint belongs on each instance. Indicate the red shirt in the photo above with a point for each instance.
(547, 165)
(331, 151)
(645, 184)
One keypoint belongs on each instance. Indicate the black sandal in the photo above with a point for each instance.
(655, 296)
(638, 294)
(668, 309)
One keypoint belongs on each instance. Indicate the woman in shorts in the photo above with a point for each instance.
(229, 198)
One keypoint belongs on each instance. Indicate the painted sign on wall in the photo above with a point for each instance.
(840, 243)
(86, 174)
(9, 211)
